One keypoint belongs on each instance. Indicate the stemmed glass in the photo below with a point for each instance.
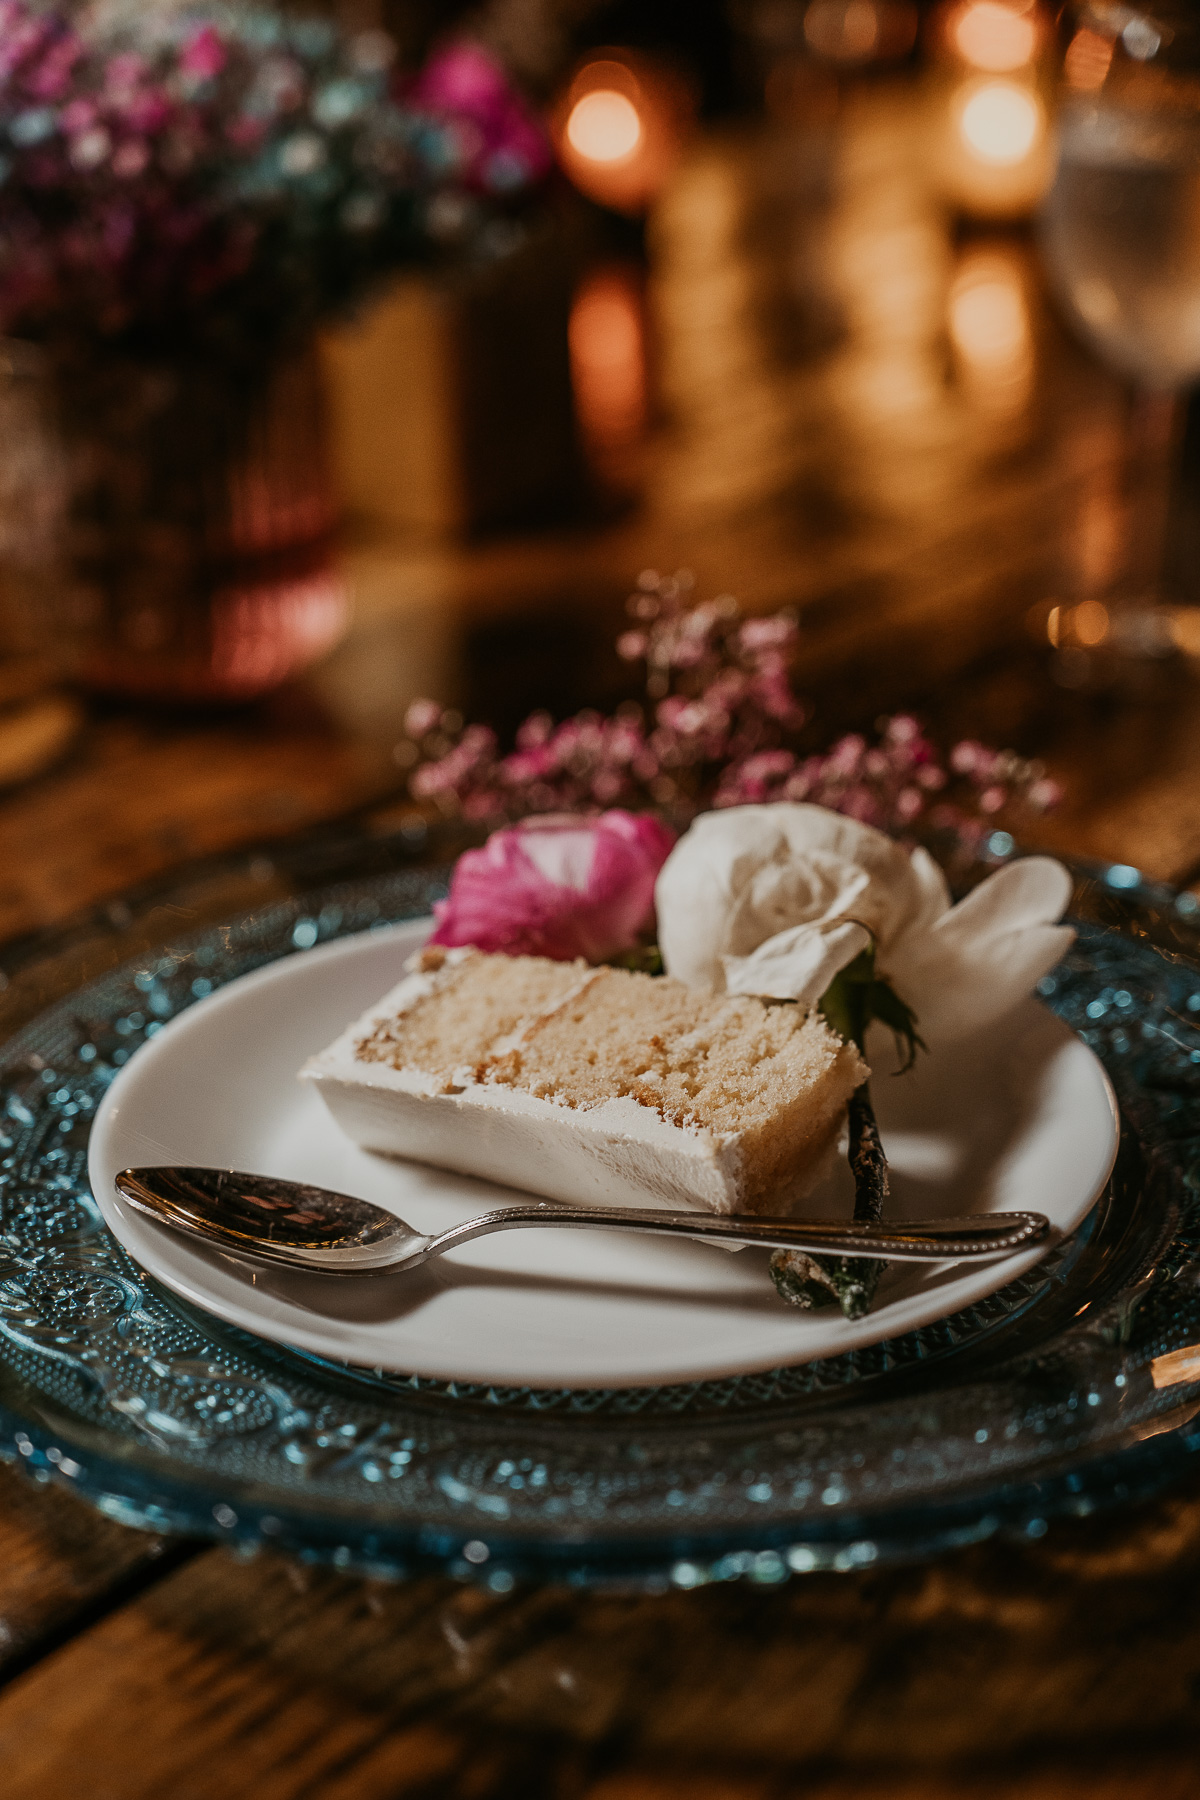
(1121, 237)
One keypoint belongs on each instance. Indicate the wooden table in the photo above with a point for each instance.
(831, 437)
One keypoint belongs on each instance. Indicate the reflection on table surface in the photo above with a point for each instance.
(821, 395)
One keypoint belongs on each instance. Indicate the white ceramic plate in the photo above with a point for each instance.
(1030, 1123)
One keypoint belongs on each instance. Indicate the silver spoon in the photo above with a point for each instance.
(269, 1220)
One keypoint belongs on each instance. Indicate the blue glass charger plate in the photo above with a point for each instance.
(1074, 1387)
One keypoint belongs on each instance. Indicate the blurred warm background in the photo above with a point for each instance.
(416, 414)
(755, 289)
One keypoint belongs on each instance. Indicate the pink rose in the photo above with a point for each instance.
(557, 886)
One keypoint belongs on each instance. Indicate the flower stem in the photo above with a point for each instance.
(867, 1159)
(846, 1281)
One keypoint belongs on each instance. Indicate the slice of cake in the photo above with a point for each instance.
(593, 1085)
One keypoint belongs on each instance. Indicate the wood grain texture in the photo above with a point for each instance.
(1065, 1667)
(141, 796)
(62, 1565)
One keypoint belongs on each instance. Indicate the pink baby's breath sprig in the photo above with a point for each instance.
(898, 782)
(721, 725)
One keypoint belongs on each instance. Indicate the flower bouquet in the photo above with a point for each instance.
(185, 194)
(223, 177)
(799, 879)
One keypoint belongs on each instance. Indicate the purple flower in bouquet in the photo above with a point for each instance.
(560, 887)
(229, 173)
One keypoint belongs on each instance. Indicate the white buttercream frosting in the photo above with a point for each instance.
(619, 1152)
(606, 1149)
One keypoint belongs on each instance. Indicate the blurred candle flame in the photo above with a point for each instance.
(620, 126)
(1089, 622)
(608, 358)
(988, 34)
(988, 320)
(990, 330)
(604, 126)
(1001, 122)
(995, 144)
(1070, 629)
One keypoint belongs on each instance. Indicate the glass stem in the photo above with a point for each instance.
(1153, 435)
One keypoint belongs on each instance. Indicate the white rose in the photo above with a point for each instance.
(777, 899)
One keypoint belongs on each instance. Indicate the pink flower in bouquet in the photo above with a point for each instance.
(720, 727)
(498, 136)
(267, 166)
(204, 55)
(559, 886)
(50, 79)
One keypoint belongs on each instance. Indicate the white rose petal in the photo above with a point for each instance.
(984, 955)
(935, 890)
(744, 875)
(776, 899)
(797, 964)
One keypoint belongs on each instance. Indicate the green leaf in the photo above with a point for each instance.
(846, 1002)
(644, 959)
(887, 1006)
(857, 995)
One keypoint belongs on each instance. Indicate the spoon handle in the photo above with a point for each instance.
(921, 1240)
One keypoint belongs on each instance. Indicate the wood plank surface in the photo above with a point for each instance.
(139, 796)
(1066, 1667)
(62, 1566)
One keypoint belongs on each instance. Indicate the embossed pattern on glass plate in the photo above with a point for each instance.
(1040, 1399)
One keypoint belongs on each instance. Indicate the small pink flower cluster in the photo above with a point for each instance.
(718, 692)
(892, 783)
(720, 727)
(153, 160)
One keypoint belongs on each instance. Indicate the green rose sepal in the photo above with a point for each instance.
(854, 998)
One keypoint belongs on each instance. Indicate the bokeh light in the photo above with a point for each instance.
(1089, 622)
(988, 34)
(604, 126)
(1087, 61)
(990, 330)
(988, 321)
(1069, 629)
(607, 339)
(1001, 122)
(620, 125)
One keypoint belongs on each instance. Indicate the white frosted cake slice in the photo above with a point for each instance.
(592, 1085)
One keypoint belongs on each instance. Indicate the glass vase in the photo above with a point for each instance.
(195, 524)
